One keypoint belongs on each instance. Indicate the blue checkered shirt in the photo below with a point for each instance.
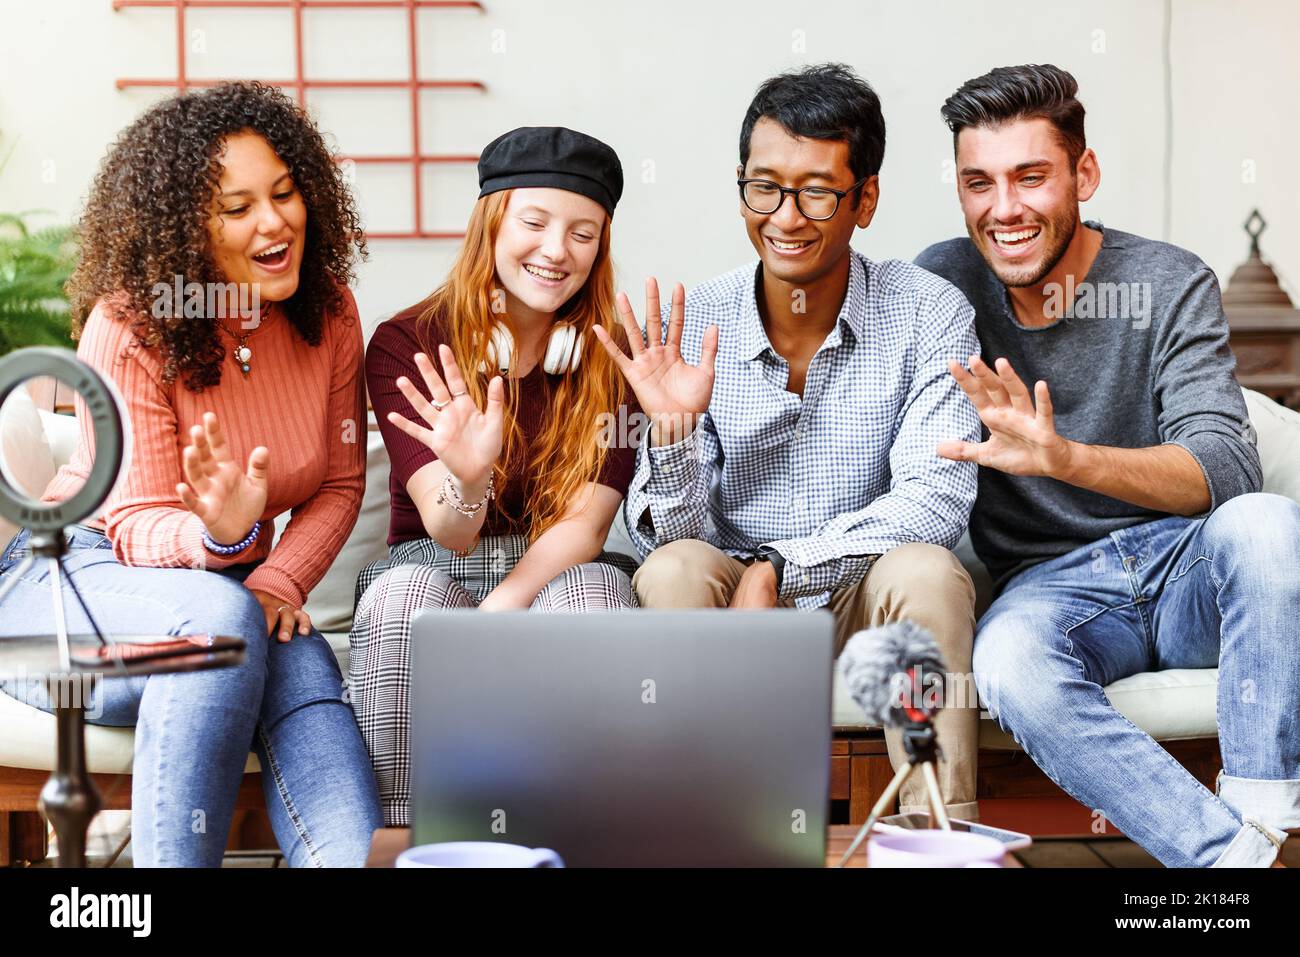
(840, 476)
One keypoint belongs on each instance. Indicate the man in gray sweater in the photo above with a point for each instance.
(1119, 508)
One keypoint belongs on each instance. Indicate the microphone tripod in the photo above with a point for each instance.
(922, 746)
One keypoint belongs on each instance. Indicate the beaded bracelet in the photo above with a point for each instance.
(217, 548)
(450, 495)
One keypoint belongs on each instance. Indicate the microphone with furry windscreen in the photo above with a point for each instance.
(895, 674)
(879, 666)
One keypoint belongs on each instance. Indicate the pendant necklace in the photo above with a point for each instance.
(243, 354)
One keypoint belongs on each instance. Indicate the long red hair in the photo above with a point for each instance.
(568, 453)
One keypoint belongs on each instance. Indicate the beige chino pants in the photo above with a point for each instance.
(919, 582)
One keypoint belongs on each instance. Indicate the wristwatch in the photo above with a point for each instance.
(767, 553)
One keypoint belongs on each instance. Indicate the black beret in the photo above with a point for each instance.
(552, 156)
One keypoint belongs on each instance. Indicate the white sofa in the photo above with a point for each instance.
(1169, 705)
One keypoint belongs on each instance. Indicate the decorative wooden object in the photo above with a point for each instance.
(1263, 325)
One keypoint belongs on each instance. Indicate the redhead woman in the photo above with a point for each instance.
(491, 395)
(216, 248)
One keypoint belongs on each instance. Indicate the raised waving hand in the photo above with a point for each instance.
(1022, 429)
(466, 439)
(671, 391)
(228, 497)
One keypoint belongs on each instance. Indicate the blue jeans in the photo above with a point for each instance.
(194, 730)
(1222, 591)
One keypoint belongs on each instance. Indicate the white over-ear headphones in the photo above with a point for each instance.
(563, 349)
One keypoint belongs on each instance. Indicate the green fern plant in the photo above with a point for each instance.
(34, 265)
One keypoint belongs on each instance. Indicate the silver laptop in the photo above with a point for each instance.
(635, 738)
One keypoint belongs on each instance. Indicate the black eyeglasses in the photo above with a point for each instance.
(815, 202)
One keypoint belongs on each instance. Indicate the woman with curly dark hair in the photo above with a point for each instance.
(217, 246)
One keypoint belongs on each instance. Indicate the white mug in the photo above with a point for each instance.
(934, 848)
(478, 854)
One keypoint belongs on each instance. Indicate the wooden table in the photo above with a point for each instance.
(388, 842)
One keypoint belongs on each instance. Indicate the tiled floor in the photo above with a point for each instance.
(109, 845)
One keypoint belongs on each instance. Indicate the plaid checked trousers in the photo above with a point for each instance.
(421, 574)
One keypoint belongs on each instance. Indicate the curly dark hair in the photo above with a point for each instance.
(145, 221)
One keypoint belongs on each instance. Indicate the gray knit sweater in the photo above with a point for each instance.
(1140, 358)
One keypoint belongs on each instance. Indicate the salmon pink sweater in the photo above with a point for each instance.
(305, 404)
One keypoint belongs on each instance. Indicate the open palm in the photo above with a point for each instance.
(466, 439)
(1022, 428)
(228, 497)
(669, 389)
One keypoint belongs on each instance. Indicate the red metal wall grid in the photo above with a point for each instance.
(300, 83)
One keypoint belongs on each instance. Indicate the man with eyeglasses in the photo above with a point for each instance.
(797, 404)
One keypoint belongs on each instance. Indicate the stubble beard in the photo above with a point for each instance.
(1058, 231)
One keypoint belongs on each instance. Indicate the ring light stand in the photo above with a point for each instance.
(69, 799)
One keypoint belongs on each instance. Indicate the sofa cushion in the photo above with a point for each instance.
(25, 455)
(29, 741)
(1171, 705)
(62, 433)
(330, 602)
(339, 643)
(1168, 705)
(1277, 429)
(29, 738)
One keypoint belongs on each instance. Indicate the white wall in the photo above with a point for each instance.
(667, 84)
